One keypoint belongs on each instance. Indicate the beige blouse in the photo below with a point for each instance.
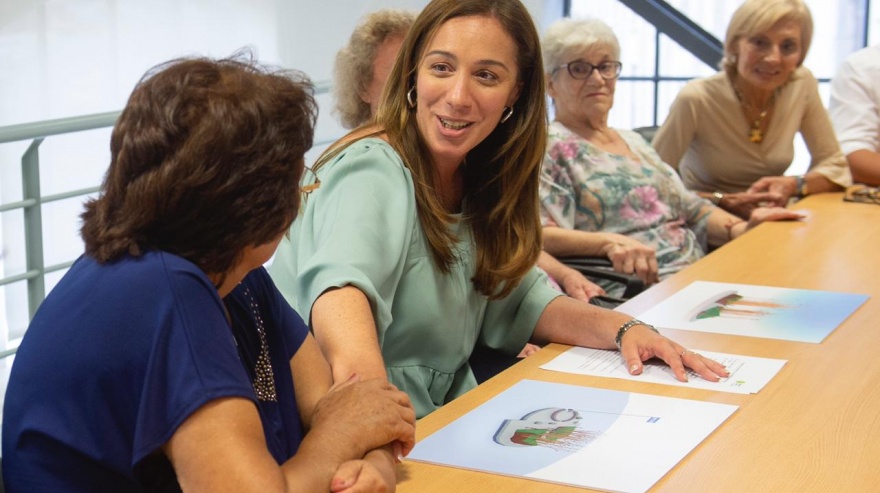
(706, 135)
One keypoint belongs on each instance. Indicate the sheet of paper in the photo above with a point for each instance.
(581, 436)
(748, 374)
(757, 311)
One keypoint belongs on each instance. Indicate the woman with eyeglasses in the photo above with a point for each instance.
(604, 191)
(731, 135)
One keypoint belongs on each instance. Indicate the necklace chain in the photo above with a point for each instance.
(756, 135)
(264, 377)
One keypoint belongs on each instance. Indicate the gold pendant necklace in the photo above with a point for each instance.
(756, 135)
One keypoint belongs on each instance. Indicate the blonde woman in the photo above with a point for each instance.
(731, 135)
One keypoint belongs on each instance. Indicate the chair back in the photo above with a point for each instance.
(647, 132)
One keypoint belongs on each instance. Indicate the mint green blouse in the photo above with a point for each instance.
(361, 228)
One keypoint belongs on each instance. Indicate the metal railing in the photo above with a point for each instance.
(33, 201)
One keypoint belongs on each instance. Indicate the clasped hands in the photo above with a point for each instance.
(363, 416)
(767, 192)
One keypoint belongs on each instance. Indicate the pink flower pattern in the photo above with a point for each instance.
(588, 189)
(643, 204)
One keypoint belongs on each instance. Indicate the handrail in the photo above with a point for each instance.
(46, 128)
(36, 130)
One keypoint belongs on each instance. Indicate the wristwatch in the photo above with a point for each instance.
(801, 186)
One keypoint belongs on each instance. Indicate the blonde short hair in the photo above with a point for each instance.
(353, 70)
(757, 16)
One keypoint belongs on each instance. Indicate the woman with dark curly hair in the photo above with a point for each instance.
(166, 359)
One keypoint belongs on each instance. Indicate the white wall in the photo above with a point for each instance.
(64, 58)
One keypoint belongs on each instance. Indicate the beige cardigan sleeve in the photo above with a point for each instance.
(827, 158)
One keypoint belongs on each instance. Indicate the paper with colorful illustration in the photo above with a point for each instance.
(748, 374)
(580, 436)
(757, 311)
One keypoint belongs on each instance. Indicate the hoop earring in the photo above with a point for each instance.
(508, 112)
(410, 100)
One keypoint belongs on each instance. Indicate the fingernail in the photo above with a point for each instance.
(399, 458)
(340, 484)
(634, 368)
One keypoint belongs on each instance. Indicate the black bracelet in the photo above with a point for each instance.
(628, 325)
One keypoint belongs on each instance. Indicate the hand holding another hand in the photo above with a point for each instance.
(784, 187)
(366, 415)
(364, 476)
(742, 204)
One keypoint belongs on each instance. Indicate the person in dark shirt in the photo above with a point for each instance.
(166, 359)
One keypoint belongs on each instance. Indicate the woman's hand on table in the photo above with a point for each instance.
(640, 344)
(762, 214)
(742, 204)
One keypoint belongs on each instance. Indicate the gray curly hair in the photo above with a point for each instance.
(569, 34)
(353, 70)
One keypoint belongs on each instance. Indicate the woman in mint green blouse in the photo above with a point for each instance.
(422, 234)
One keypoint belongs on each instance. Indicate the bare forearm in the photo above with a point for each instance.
(311, 378)
(723, 226)
(315, 463)
(562, 242)
(817, 183)
(569, 321)
(865, 166)
(553, 267)
(346, 332)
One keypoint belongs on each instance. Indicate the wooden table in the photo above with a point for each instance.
(814, 428)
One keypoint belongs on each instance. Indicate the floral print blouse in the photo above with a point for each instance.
(588, 189)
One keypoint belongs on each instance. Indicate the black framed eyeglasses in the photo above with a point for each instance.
(580, 69)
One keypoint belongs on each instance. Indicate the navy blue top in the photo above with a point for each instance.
(119, 355)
